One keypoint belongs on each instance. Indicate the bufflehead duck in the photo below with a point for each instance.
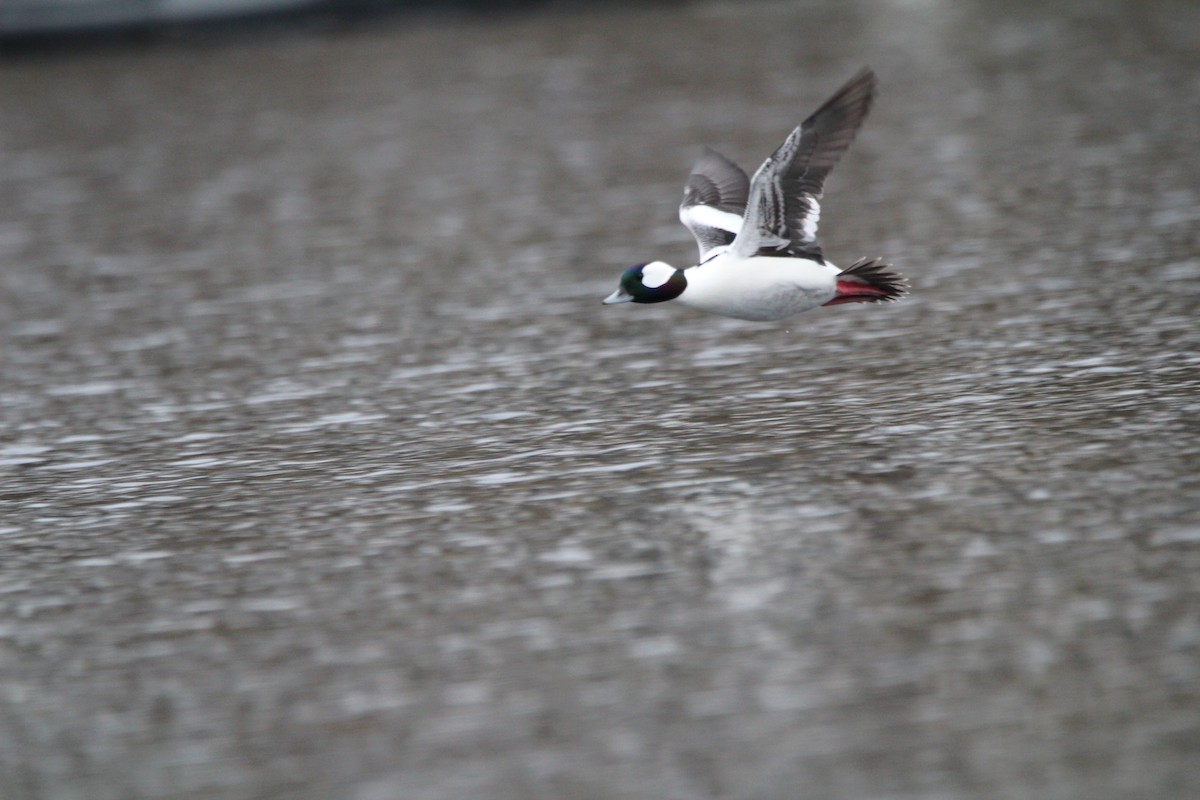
(759, 257)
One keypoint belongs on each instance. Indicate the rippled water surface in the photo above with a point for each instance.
(324, 473)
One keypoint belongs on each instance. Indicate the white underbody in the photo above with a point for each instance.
(760, 288)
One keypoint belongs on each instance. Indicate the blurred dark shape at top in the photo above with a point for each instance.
(46, 24)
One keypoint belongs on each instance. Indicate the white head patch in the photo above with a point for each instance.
(656, 273)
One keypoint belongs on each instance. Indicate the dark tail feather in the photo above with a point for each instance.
(869, 280)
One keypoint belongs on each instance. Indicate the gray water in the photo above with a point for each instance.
(325, 474)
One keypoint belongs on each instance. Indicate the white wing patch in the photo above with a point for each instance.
(709, 217)
(656, 273)
(808, 225)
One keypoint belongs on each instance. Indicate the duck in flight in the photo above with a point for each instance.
(759, 256)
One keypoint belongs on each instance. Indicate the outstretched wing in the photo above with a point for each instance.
(714, 200)
(785, 193)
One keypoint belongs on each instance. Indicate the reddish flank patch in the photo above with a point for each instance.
(854, 286)
(853, 291)
(868, 280)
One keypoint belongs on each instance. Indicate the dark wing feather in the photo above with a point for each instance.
(714, 200)
(785, 193)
